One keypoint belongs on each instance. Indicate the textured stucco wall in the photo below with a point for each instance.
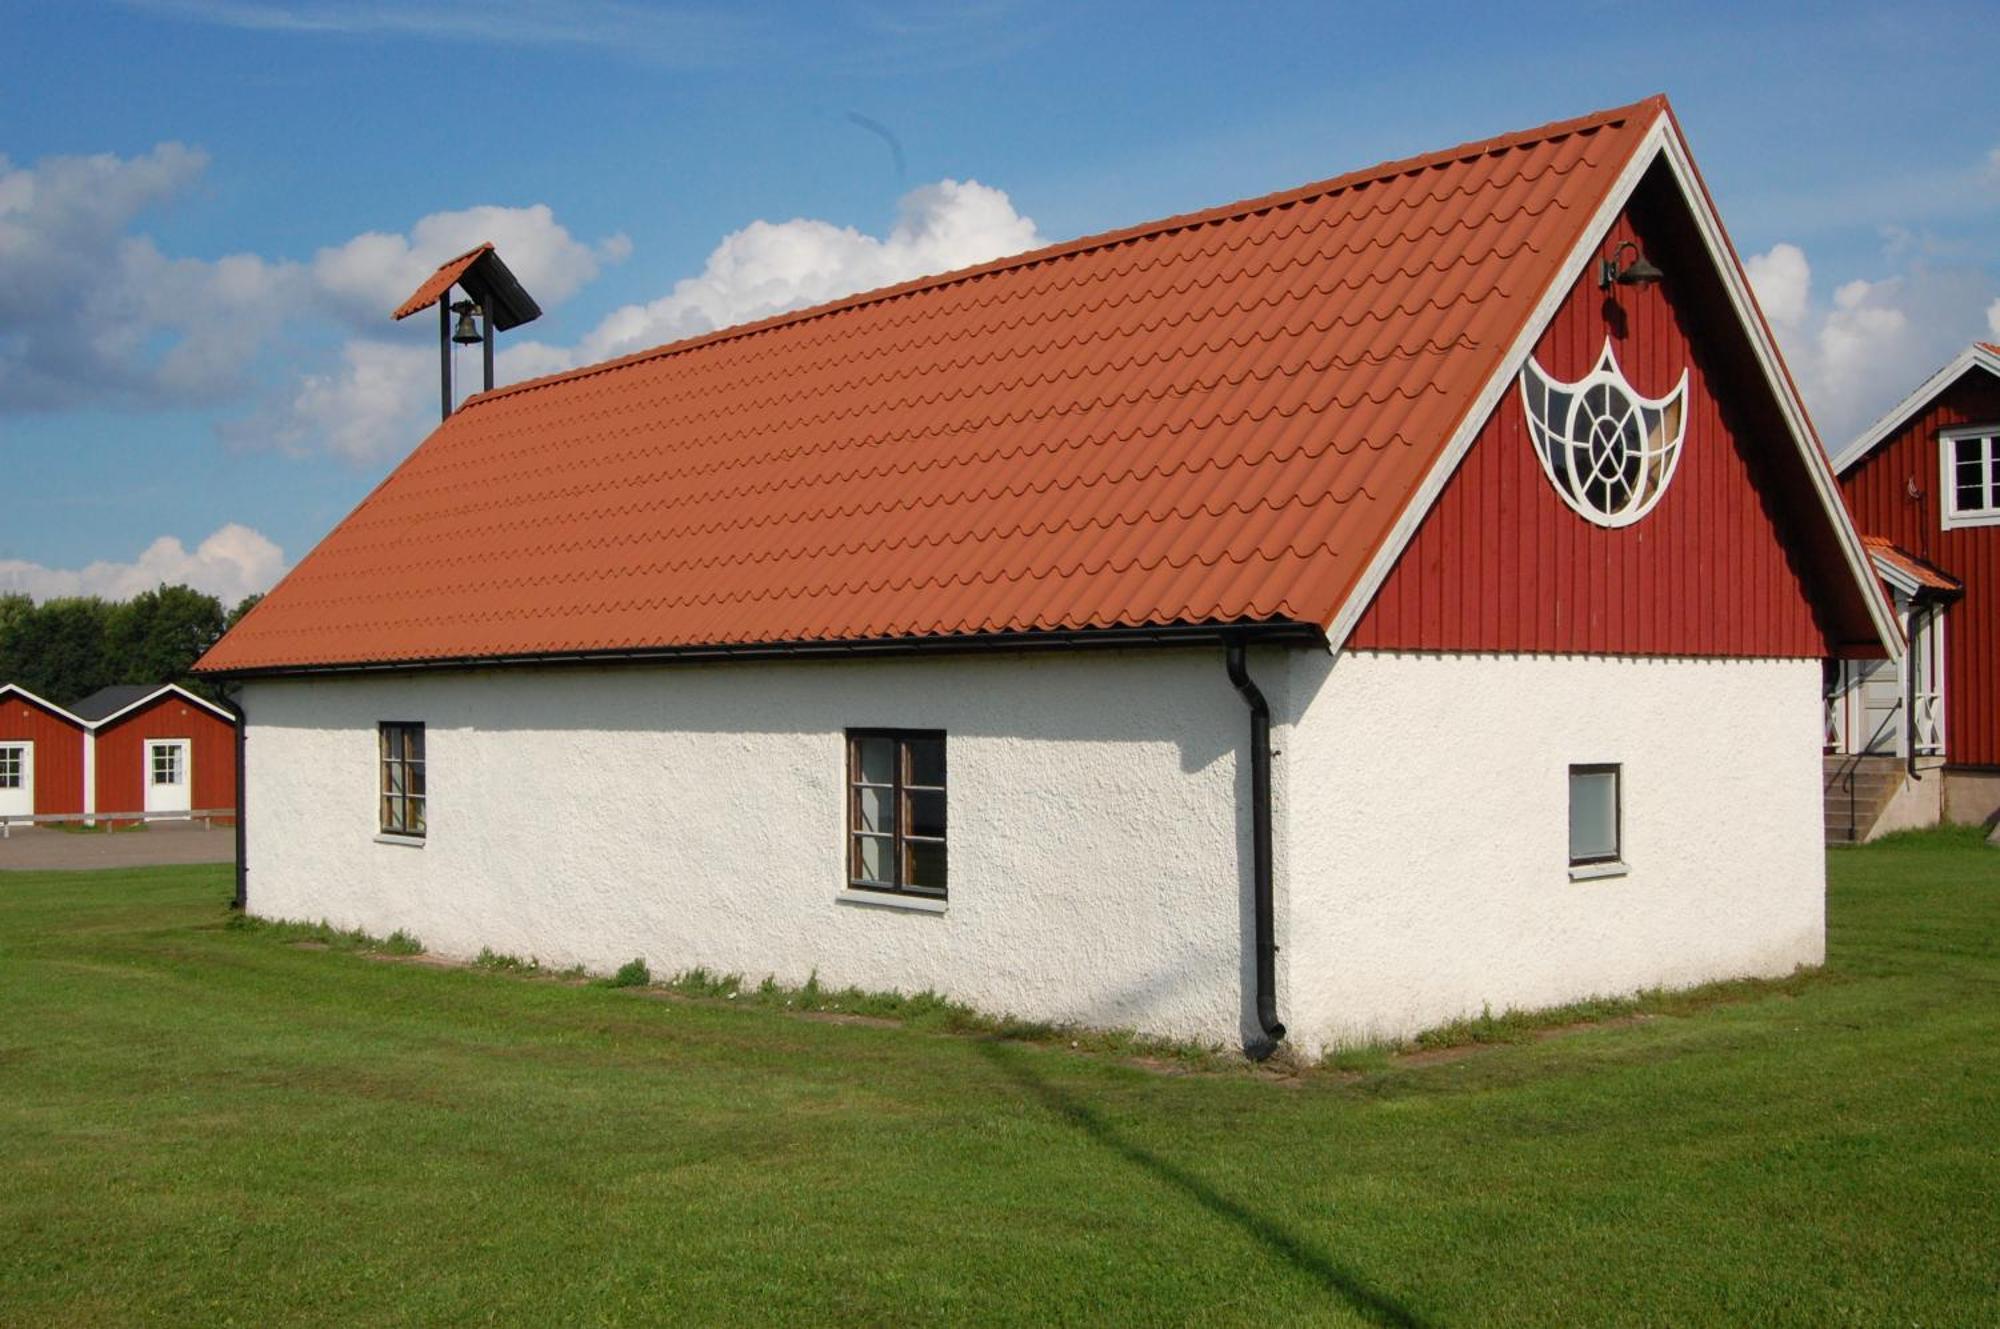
(1099, 828)
(695, 816)
(1429, 815)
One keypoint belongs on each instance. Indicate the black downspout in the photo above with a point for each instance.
(1260, 856)
(242, 898)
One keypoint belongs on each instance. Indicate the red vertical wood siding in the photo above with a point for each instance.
(58, 753)
(1736, 559)
(121, 754)
(1878, 490)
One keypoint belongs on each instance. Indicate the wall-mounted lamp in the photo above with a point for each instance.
(1639, 272)
(467, 332)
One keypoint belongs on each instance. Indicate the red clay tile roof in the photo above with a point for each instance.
(1916, 569)
(439, 282)
(1215, 418)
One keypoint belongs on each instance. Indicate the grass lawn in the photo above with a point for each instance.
(207, 1125)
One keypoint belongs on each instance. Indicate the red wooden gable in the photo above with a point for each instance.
(1736, 560)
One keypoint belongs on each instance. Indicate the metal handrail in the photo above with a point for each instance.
(207, 816)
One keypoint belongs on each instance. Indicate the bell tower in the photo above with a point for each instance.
(493, 301)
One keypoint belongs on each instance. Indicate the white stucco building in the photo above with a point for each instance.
(1322, 617)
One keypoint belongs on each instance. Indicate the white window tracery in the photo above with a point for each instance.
(1609, 452)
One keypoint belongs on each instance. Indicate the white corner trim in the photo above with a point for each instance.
(915, 904)
(1598, 871)
(90, 776)
(1972, 356)
(406, 841)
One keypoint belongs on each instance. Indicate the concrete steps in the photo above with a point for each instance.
(1857, 789)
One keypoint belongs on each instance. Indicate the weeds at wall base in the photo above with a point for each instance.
(1526, 1026)
(931, 1012)
(325, 935)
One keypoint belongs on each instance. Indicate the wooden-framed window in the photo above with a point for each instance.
(1971, 459)
(403, 804)
(896, 811)
(12, 759)
(1596, 815)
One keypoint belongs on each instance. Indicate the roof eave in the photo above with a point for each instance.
(1276, 632)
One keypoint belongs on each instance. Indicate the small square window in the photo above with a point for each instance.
(402, 792)
(1595, 815)
(896, 811)
(10, 767)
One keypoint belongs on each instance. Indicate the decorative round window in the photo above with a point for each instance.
(1607, 450)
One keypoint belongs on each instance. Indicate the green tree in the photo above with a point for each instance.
(157, 635)
(59, 649)
(15, 611)
(243, 606)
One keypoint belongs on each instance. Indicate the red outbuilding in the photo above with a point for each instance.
(1924, 486)
(133, 749)
(41, 756)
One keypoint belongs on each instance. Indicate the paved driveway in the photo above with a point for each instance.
(41, 848)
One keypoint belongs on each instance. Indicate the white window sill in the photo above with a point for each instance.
(407, 841)
(915, 904)
(1596, 871)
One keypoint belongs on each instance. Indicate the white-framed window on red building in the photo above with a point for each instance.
(1970, 461)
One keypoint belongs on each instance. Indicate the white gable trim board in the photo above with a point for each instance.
(166, 690)
(1973, 357)
(16, 690)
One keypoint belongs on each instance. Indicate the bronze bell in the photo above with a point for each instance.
(467, 332)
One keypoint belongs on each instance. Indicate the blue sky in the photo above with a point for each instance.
(208, 206)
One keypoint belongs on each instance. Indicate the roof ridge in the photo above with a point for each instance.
(1655, 104)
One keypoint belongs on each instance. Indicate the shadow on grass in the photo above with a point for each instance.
(1376, 1307)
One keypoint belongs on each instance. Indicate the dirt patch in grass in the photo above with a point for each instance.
(848, 1017)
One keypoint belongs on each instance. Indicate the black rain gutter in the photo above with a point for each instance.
(1272, 1032)
(235, 709)
(1278, 632)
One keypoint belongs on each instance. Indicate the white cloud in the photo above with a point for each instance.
(93, 313)
(683, 36)
(1993, 320)
(371, 407)
(233, 562)
(380, 399)
(1783, 282)
(769, 267)
(1856, 355)
(370, 274)
(90, 313)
